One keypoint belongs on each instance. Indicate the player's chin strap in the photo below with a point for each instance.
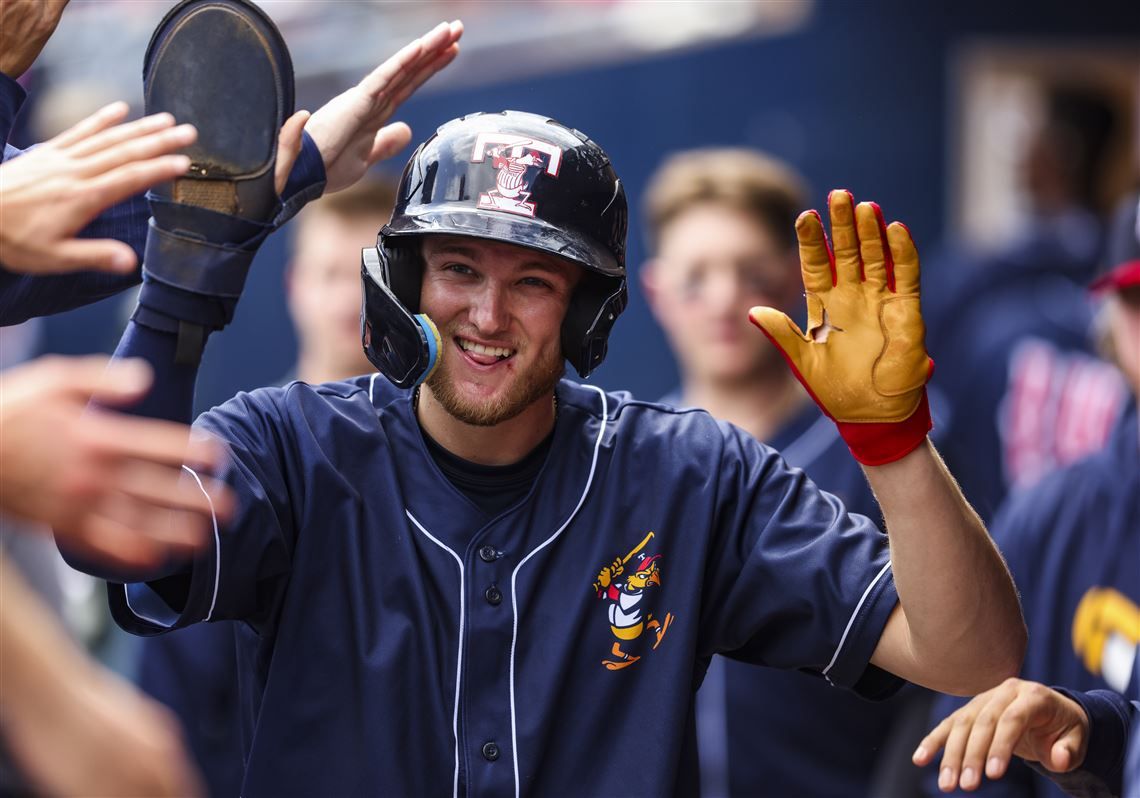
(405, 347)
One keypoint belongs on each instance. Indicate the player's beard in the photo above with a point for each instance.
(525, 390)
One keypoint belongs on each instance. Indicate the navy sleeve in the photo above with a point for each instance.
(796, 581)
(243, 573)
(1110, 716)
(12, 96)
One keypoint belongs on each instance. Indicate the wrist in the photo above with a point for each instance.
(879, 443)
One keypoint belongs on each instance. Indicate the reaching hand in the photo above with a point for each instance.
(349, 129)
(111, 486)
(862, 358)
(25, 27)
(1016, 718)
(50, 193)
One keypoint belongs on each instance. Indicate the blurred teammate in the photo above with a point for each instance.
(721, 226)
(1073, 541)
(194, 671)
(1011, 331)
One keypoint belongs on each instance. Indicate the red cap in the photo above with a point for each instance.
(1122, 261)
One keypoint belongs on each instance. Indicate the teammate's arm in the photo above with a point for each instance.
(958, 626)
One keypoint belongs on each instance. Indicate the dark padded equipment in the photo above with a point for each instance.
(222, 66)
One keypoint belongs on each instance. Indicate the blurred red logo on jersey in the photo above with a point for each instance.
(514, 158)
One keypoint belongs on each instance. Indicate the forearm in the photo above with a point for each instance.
(963, 626)
(36, 654)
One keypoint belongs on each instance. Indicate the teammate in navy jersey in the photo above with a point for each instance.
(720, 226)
(467, 574)
(1073, 541)
(1011, 330)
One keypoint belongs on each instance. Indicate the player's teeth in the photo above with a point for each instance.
(471, 346)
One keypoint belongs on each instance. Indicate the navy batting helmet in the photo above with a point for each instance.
(513, 177)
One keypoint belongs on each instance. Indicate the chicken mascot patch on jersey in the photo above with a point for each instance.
(629, 602)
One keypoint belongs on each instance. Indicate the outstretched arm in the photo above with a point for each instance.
(55, 699)
(958, 627)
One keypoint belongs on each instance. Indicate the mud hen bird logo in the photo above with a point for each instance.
(628, 603)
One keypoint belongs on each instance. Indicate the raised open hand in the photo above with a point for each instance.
(862, 357)
(350, 129)
(50, 193)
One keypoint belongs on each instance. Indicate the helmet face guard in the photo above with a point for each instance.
(512, 177)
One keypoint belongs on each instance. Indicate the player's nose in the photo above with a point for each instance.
(489, 310)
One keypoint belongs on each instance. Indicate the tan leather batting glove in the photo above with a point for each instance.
(862, 358)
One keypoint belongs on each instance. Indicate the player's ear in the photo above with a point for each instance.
(650, 276)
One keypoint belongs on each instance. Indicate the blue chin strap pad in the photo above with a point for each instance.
(405, 348)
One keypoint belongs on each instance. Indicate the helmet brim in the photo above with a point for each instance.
(533, 233)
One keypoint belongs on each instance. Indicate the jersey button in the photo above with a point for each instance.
(491, 751)
(488, 553)
(494, 597)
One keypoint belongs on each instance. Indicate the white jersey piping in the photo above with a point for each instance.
(851, 620)
(459, 657)
(217, 561)
(543, 545)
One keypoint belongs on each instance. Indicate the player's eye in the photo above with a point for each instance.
(458, 268)
(536, 282)
(692, 285)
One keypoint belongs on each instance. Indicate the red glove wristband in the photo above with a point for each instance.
(879, 443)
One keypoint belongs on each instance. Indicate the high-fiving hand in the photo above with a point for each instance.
(862, 358)
(48, 194)
(350, 129)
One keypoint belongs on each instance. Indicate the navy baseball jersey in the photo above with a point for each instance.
(1010, 335)
(401, 642)
(1073, 547)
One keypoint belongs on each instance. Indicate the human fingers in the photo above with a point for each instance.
(905, 258)
(107, 540)
(102, 119)
(389, 140)
(96, 141)
(979, 752)
(132, 178)
(418, 77)
(171, 530)
(114, 437)
(878, 268)
(954, 747)
(80, 254)
(289, 142)
(390, 76)
(137, 149)
(172, 488)
(844, 237)
(98, 377)
(816, 261)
